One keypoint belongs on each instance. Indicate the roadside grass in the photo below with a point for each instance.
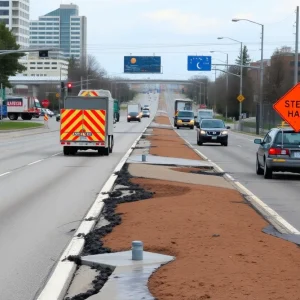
(13, 125)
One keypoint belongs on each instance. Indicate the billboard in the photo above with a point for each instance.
(142, 64)
(199, 63)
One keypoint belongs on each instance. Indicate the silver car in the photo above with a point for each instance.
(279, 151)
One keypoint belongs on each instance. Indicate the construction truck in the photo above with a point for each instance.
(87, 122)
(182, 104)
(24, 107)
(117, 110)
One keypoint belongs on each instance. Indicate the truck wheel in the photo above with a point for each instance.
(106, 151)
(66, 150)
(111, 144)
(13, 117)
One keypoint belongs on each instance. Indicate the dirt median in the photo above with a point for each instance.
(221, 251)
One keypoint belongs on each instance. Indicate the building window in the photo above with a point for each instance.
(5, 21)
(4, 3)
(3, 12)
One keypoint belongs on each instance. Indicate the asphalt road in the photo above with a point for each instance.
(44, 195)
(238, 159)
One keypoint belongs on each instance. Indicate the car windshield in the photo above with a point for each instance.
(205, 114)
(146, 111)
(133, 114)
(186, 114)
(291, 138)
(212, 124)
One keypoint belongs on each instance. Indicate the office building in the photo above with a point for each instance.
(15, 14)
(53, 66)
(62, 28)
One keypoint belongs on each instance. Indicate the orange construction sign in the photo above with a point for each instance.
(288, 107)
(46, 118)
(87, 125)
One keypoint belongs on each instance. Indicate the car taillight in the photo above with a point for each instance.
(279, 151)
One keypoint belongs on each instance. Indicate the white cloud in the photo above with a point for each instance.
(183, 23)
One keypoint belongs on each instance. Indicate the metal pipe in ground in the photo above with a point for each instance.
(137, 249)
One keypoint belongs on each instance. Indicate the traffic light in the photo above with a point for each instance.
(62, 85)
(69, 86)
(43, 53)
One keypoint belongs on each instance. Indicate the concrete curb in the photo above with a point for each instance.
(267, 212)
(59, 282)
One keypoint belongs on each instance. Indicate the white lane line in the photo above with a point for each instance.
(3, 174)
(57, 285)
(267, 212)
(35, 162)
(30, 164)
(239, 146)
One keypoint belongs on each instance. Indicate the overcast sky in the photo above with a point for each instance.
(174, 29)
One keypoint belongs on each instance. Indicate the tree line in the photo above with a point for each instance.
(278, 79)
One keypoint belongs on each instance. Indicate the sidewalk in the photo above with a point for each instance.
(198, 217)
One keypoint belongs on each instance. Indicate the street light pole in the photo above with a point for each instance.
(241, 77)
(261, 87)
(227, 84)
(296, 47)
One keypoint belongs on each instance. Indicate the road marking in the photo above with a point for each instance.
(30, 164)
(3, 174)
(239, 146)
(58, 284)
(35, 162)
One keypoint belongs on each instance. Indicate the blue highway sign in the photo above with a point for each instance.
(199, 63)
(142, 64)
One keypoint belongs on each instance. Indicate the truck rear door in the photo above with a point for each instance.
(82, 125)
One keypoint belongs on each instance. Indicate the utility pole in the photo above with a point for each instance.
(296, 68)
(215, 94)
(81, 83)
(241, 86)
(226, 102)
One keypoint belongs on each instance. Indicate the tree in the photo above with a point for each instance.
(219, 87)
(278, 79)
(9, 64)
(246, 59)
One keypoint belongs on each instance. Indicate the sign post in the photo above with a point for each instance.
(288, 107)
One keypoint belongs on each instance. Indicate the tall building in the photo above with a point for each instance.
(15, 14)
(53, 66)
(62, 28)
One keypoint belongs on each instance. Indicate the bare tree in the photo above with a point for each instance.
(278, 79)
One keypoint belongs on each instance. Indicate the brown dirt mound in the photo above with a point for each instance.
(162, 120)
(167, 143)
(220, 250)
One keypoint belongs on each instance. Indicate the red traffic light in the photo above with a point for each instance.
(69, 85)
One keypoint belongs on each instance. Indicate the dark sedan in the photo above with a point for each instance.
(212, 131)
(134, 116)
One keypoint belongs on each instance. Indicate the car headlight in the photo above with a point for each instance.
(203, 132)
(192, 121)
(129, 117)
(225, 132)
(179, 121)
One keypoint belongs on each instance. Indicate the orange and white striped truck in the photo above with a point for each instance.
(87, 122)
